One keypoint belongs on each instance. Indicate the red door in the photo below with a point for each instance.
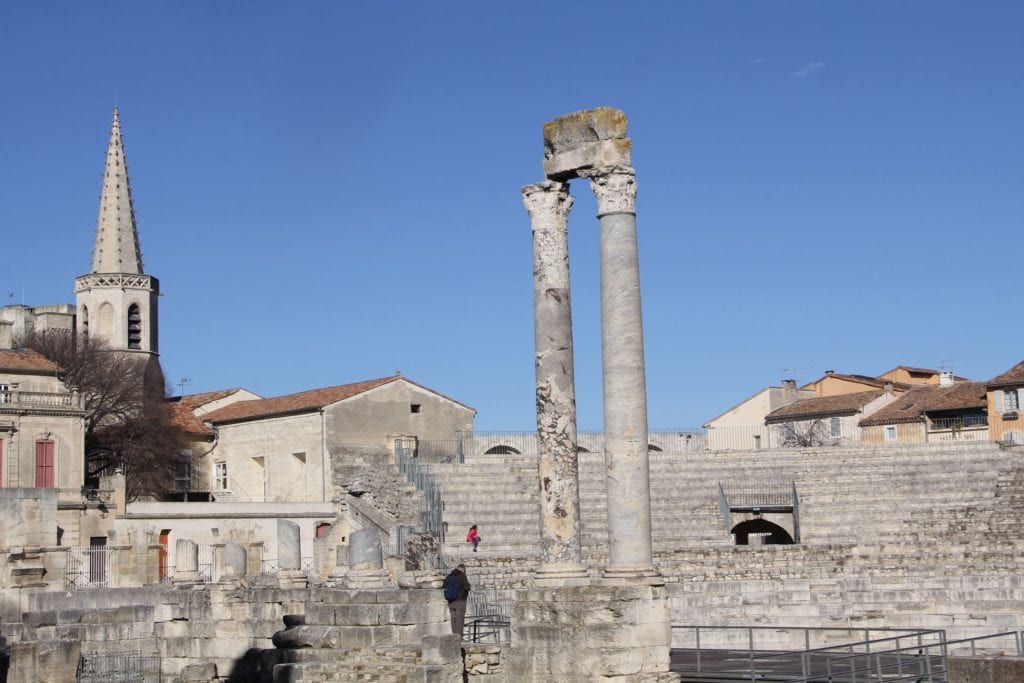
(162, 553)
(44, 464)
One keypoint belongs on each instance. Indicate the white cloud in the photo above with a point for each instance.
(807, 69)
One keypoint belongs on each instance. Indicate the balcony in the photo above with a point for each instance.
(18, 399)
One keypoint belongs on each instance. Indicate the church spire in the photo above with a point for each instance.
(117, 240)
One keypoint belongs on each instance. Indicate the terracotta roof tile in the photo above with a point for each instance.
(826, 406)
(1013, 376)
(912, 406)
(21, 360)
(305, 401)
(862, 379)
(185, 421)
(193, 401)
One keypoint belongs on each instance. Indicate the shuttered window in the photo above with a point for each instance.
(44, 464)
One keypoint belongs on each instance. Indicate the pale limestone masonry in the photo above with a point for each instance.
(918, 536)
(618, 626)
(586, 633)
(116, 301)
(548, 204)
(379, 632)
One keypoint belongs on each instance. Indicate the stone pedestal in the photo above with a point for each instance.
(292, 578)
(587, 633)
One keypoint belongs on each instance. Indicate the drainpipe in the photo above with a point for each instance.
(323, 456)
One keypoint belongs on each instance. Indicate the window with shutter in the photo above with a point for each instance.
(1011, 400)
(44, 464)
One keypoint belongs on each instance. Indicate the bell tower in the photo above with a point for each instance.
(117, 301)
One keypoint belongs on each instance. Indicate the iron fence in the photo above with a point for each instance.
(488, 617)
(803, 434)
(802, 655)
(431, 506)
(961, 422)
(127, 667)
(88, 567)
(758, 493)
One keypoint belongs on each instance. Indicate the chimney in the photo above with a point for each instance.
(6, 334)
(789, 394)
(887, 388)
(946, 379)
(829, 372)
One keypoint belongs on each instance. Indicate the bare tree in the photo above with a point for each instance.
(805, 434)
(128, 424)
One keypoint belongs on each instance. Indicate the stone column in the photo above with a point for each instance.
(548, 204)
(625, 389)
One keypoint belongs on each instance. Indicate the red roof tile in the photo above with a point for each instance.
(22, 360)
(929, 398)
(826, 406)
(185, 421)
(193, 401)
(1012, 377)
(305, 401)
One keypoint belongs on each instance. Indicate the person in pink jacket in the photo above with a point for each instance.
(473, 537)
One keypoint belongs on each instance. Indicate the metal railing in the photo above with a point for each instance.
(758, 493)
(431, 506)
(488, 617)
(127, 667)
(88, 567)
(801, 654)
(806, 434)
(962, 422)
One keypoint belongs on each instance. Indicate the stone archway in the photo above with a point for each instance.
(770, 533)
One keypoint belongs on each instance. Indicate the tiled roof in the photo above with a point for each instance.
(862, 379)
(911, 406)
(908, 368)
(21, 360)
(1011, 377)
(193, 401)
(185, 421)
(826, 406)
(305, 401)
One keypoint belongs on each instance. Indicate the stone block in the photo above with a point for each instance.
(444, 649)
(586, 139)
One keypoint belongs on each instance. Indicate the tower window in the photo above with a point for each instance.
(134, 327)
(414, 408)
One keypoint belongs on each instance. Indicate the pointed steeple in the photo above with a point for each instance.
(117, 240)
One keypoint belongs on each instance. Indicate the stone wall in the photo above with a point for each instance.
(228, 627)
(370, 473)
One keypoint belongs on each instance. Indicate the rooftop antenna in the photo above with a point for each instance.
(947, 363)
(181, 385)
(791, 372)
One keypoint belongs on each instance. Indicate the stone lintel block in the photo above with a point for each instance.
(600, 154)
(590, 138)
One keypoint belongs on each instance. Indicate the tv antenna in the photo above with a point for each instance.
(181, 385)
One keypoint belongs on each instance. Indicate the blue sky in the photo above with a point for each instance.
(329, 192)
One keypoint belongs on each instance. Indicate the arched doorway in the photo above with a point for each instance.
(502, 450)
(771, 534)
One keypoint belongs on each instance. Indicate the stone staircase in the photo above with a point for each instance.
(920, 495)
(498, 493)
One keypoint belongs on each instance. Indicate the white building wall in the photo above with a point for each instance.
(261, 458)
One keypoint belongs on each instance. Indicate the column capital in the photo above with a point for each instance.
(614, 187)
(548, 204)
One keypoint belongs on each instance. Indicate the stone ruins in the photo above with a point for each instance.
(603, 557)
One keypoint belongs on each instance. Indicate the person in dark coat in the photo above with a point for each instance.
(457, 607)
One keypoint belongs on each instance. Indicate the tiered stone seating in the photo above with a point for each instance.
(850, 495)
(498, 493)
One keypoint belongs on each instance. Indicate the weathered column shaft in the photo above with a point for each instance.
(625, 386)
(548, 204)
